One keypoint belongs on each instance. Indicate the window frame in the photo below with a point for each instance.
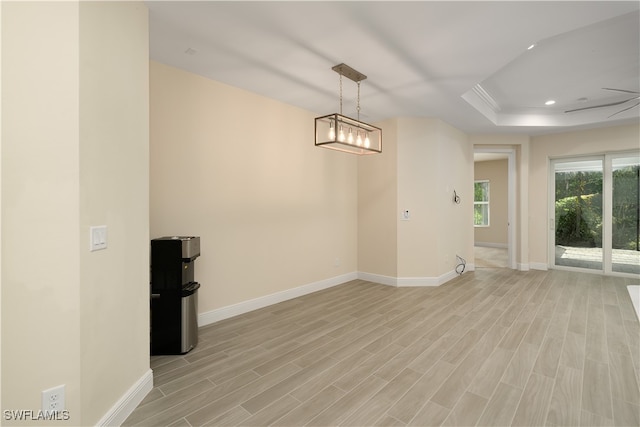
(487, 202)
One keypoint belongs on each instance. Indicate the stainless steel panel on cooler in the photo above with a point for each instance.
(189, 323)
(190, 246)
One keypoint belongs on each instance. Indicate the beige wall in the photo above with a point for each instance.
(427, 160)
(497, 173)
(543, 148)
(378, 206)
(418, 150)
(114, 190)
(239, 170)
(455, 224)
(74, 154)
(40, 203)
(221, 169)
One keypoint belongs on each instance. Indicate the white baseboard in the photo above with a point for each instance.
(416, 282)
(378, 278)
(537, 266)
(128, 402)
(267, 300)
(634, 293)
(491, 245)
(411, 281)
(426, 281)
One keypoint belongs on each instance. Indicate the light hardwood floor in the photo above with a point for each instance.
(486, 257)
(492, 347)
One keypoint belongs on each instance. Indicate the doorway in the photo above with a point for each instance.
(494, 248)
(594, 213)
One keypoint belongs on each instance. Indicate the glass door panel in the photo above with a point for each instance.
(625, 233)
(578, 214)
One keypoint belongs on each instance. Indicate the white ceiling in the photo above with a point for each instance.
(466, 63)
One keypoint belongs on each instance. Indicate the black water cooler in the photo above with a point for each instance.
(174, 294)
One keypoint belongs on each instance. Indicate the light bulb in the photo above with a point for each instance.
(350, 140)
(367, 143)
(358, 138)
(332, 131)
(341, 137)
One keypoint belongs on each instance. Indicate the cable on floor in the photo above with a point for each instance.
(462, 263)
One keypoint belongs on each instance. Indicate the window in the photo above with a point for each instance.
(481, 204)
(593, 206)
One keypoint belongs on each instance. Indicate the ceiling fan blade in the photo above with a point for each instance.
(628, 108)
(620, 90)
(600, 106)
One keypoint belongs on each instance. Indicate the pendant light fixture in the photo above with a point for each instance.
(343, 133)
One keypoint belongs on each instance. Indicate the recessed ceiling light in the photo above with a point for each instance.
(550, 102)
(531, 46)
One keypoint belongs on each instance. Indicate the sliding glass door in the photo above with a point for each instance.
(578, 213)
(595, 216)
(625, 214)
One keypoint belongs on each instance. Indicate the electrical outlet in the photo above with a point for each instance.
(53, 399)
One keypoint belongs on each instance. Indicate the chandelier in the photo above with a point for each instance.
(343, 133)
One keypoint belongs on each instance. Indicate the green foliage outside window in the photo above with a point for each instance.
(579, 209)
(579, 221)
(626, 213)
(481, 203)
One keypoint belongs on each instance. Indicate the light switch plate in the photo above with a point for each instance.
(97, 237)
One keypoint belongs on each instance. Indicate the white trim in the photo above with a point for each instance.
(267, 300)
(415, 282)
(536, 266)
(511, 209)
(378, 278)
(426, 281)
(128, 402)
(492, 245)
(607, 212)
(634, 293)
(409, 282)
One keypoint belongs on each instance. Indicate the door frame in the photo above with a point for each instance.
(511, 200)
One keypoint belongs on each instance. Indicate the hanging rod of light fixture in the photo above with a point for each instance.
(339, 132)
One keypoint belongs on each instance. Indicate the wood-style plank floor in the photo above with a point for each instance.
(492, 347)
